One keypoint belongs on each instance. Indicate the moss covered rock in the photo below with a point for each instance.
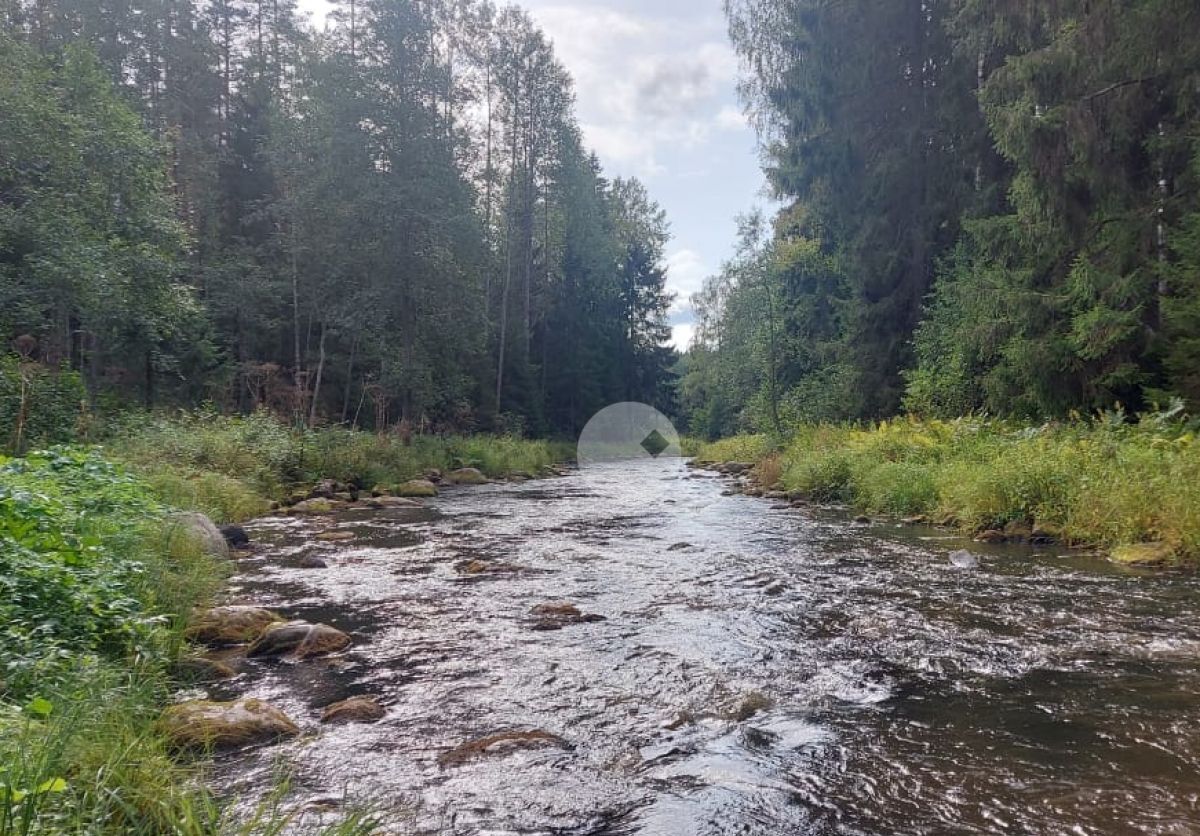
(468, 476)
(298, 640)
(416, 488)
(230, 625)
(225, 725)
(1144, 554)
(354, 710)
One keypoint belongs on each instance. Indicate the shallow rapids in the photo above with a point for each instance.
(760, 670)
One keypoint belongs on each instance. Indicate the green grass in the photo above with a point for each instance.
(1103, 483)
(231, 467)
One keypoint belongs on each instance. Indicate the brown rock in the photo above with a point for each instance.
(335, 536)
(417, 488)
(991, 536)
(223, 725)
(559, 615)
(502, 743)
(230, 625)
(298, 640)
(354, 710)
(468, 476)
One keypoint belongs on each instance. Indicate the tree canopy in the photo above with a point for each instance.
(393, 221)
(989, 206)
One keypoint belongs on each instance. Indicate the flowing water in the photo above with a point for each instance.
(760, 671)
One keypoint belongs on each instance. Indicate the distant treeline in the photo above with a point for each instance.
(392, 221)
(990, 206)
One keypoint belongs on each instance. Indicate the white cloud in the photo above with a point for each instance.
(731, 119)
(647, 84)
(686, 272)
(681, 336)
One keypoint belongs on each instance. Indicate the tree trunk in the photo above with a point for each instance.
(316, 394)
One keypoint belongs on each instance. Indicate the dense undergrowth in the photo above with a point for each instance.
(1106, 482)
(95, 589)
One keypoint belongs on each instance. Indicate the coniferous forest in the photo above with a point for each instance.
(393, 221)
(988, 207)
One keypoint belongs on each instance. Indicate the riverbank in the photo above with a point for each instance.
(98, 586)
(1131, 490)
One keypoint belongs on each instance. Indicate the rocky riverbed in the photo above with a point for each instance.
(629, 650)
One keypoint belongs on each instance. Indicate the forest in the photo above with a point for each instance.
(988, 207)
(389, 222)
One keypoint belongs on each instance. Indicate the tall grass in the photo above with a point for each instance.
(231, 467)
(1105, 482)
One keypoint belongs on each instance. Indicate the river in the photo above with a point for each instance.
(760, 670)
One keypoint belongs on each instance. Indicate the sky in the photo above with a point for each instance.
(656, 94)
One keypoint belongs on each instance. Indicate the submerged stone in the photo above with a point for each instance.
(354, 710)
(556, 616)
(963, 559)
(502, 743)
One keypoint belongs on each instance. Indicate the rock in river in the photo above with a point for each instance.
(417, 488)
(963, 559)
(224, 725)
(354, 710)
(200, 529)
(230, 625)
(298, 640)
(500, 744)
(317, 506)
(1143, 554)
(557, 616)
(468, 476)
(235, 536)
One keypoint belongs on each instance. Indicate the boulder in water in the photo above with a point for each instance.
(221, 626)
(963, 559)
(467, 476)
(298, 640)
(354, 710)
(316, 506)
(311, 561)
(501, 743)
(235, 536)
(335, 536)
(1144, 554)
(200, 529)
(559, 615)
(224, 725)
(417, 488)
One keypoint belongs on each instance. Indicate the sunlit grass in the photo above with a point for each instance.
(1100, 483)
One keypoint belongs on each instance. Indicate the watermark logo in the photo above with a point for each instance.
(628, 431)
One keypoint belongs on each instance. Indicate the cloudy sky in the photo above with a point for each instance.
(655, 83)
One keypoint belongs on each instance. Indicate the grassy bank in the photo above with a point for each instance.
(231, 468)
(1130, 488)
(95, 589)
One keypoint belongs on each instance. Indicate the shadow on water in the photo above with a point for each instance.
(757, 671)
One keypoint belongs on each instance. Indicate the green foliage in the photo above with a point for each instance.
(80, 570)
(1031, 165)
(230, 467)
(38, 406)
(1102, 483)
